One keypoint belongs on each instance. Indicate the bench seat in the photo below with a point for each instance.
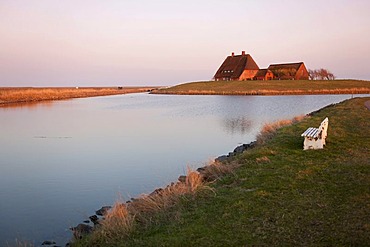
(311, 132)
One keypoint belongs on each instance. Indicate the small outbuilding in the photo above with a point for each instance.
(264, 74)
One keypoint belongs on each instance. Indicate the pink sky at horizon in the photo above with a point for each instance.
(109, 43)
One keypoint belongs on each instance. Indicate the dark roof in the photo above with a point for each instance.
(233, 66)
(261, 73)
(295, 66)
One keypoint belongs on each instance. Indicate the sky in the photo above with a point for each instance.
(168, 42)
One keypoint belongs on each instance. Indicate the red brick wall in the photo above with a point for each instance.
(247, 74)
(269, 76)
(302, 73)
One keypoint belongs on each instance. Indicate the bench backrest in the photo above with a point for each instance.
(323, 129)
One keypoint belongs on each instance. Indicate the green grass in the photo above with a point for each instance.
(270, 87)
(280, 195)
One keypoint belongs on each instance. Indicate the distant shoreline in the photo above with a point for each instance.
(273, 87)
(19, 95)
(262, 93)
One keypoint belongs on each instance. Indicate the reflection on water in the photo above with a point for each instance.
(237, 125)
(28, 105)
(60, 161)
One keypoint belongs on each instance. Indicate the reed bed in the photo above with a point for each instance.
(269, 129)
(21, 95)
(118, 223)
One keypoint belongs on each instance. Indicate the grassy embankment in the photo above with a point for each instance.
(273, 195)
(10, 95)
(275, 87)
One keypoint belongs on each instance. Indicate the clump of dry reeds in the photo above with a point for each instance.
(119, 221)
(269, 130)
(167, 197)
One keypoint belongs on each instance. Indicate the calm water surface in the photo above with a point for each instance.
(61, 161)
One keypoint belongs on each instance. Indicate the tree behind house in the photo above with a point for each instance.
(321, 74)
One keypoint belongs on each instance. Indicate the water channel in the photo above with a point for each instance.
(60, 161)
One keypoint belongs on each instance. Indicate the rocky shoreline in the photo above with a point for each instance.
(88, 225)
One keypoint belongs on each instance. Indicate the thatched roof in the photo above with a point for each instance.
(289, 66)
(233, 66)
(261, 73)
(285, 70)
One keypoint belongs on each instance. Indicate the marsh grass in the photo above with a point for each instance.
(167, 197)
(20, 95)
(269, 129)
(118, 223)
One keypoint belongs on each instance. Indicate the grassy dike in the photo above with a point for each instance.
(279, 195)
(274, 87)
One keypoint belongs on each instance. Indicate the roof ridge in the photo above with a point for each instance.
(286, 63)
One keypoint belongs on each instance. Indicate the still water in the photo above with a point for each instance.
(60, 161)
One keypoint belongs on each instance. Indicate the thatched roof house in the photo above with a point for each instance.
(237, 67)
(289, 71)
(243, 67)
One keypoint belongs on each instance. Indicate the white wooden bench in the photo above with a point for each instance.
(314, 138)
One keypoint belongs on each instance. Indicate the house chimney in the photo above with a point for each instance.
(243, 53)
(232, 54)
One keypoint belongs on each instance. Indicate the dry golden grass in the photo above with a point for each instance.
(263, 159)
(117, 223)
(20, 95)
(269, 130)
(121, 219)
(165, 198)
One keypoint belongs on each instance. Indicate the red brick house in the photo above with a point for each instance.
(237, 67)
(289, 71)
